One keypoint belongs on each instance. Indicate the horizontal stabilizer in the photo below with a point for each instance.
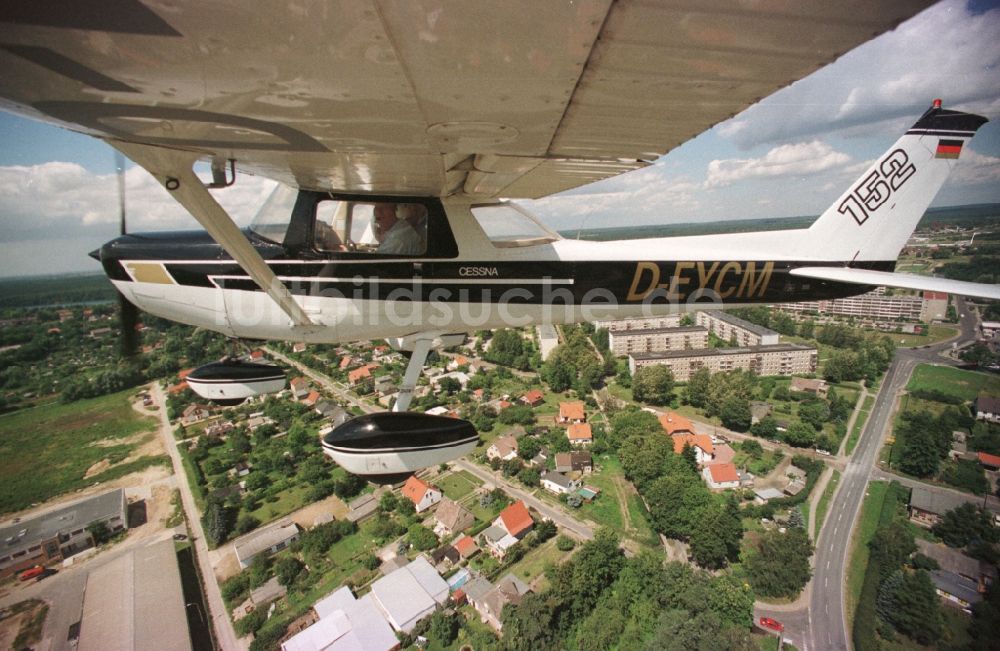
(903, 281)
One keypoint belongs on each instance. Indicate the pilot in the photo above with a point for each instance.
(396, 235)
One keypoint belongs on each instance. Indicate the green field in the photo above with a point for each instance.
(824, 501)
(859, 425)
(954, 382)
(937, 333)
(45, 451)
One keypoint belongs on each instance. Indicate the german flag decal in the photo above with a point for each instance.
(948, 149)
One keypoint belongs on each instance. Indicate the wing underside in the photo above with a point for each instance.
(900, 280)
(434, 97)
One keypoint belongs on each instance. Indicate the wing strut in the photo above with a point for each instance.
(174, 170)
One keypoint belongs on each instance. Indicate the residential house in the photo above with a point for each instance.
(579, 434)
(300, 387)
(927, 506)
(311, 399)
(257, 421)
(451, 518)
(475, 589)
(457, 362)
(509, 590)
(299, 347)
(219, 429)
(558, 483)
(266, 540)
(721, 476)
(466, 547)
(362, 507)
(533, 398)
(359, 376)
(704, 451)
(571, 412)
(462, 378)
(988, 461)
(988, 408)
(542, 457)
(722, 453)
(765, 495)
(675, 424)
(808, 385)
(960, 580)
(513, 524)
(334, 413)
(577, 461)
(423, 495)
(195, 413)
(503, 448)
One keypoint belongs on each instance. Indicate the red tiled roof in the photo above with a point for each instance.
(358, 374)
(571, 411)
(184, 373)
(723, 472)
(177, 388)
(703, 441)
(935, 296)
(516, 518)
(465, 546)
(989, 459)
(579, 432)
(673, 423)
(345, 361)
(414, 489)
(533, 396)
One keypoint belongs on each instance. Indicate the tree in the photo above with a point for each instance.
(421, 537)
(388, 502)
(287, 569)
(907, 600)
(777, 564)
(444, 628)
(696, 391)
(735, 413)
(675, 503)
(528, 447)
(814, 412)
(653, 384)
(565, 543)
(766, 428)
(800, 435)
(99, 531)
(218, 522)
(965, 525)
(752, 448)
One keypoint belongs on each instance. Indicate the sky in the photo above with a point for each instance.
(790, 155)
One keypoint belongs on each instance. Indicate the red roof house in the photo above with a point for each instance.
(422, 495)
(989, 460)
(533, 398)
(673, 423)
(516, 519)
(721, 475)
(580, 434)
(571, 412)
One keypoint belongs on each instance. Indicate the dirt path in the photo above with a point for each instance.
(623, 504)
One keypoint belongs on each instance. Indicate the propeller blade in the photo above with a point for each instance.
(120, 168)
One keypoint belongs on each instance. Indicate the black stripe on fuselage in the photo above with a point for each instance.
(527, 282)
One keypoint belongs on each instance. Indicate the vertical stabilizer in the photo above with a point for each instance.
(875, 217)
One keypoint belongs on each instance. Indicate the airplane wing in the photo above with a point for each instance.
(432, 97)
(900, 280)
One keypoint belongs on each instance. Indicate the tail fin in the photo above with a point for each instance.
(875, 217)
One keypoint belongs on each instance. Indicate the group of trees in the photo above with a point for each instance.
(600, 600)
(924, 440)
(726, 395)
(509, 348)
(575, 364)
(680, 505)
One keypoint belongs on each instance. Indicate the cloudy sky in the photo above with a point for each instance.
(790, 155)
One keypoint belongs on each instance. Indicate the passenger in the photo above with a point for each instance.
(396, 236)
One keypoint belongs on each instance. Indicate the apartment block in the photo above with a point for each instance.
(730, 328)
(653, 340)
(775, 359)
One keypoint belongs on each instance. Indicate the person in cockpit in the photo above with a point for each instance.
(395, 233)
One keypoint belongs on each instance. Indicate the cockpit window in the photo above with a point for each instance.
(382, 228)
(271, 221)
(509, 225)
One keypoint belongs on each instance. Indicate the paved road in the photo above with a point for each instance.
(225, 635)
(328, 384)
(827, 616)
(556, 515)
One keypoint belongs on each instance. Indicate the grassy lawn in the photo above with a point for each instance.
(824, 502)
(871, 510)
(534, 562)
(458, 484)
(62, 439)
(762, 466)
(952, 381)
(604, 510)
(288, 500)
(937, 333)
(859, 424)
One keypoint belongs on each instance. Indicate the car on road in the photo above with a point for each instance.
(771, 624)
(31, 573)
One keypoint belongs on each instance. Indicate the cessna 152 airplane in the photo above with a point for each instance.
(394, 126)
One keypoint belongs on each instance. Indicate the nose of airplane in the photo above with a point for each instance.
(95, 254)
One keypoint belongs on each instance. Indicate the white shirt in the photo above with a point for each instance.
(402, 239)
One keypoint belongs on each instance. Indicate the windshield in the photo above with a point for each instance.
(271, 221)
(509, 225)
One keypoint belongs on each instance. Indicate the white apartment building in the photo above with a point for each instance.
(777, 359)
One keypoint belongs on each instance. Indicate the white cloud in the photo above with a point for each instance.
(59, 199)
(976, 169)
(786, 160)
(946, 52)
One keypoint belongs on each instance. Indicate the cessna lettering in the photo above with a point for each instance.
(727, 279)
(478, 271)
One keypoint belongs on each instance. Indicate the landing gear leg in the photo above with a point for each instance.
(421, 349)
